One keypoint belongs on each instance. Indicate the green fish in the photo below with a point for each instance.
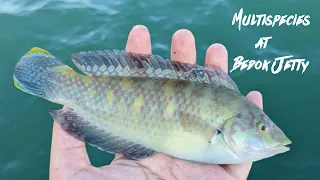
(141, 104)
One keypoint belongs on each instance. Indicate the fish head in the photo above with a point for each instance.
(251, 135)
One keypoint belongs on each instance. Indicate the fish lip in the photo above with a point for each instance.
(283, 147)
(279, 148)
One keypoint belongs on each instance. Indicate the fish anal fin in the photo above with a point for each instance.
(138, 152)
(84, 130)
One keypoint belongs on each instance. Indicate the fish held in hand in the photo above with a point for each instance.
(141, 104)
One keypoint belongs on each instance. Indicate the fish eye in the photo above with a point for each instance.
(263, 127)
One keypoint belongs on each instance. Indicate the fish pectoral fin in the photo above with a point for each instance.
(124, 64)
(192, 124)
(86, 131)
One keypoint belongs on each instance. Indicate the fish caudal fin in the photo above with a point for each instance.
(83, 130)
(34, 73)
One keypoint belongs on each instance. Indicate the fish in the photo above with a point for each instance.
(139, 105)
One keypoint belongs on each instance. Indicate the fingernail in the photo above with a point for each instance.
(142, 27)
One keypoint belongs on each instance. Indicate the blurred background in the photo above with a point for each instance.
(66, 26)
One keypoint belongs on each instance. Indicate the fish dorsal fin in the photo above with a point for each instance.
(84, 130)
(124, 64)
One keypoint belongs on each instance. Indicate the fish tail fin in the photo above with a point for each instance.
(37, 73)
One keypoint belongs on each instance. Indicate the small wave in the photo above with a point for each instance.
(76, 37)
(11, 165)
(160, 46)
(91, 4)
(25, 7)
(20, 8)
(271, 52)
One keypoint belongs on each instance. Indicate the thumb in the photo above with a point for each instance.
(68, 155)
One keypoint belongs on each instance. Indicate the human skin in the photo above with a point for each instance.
(69, 158)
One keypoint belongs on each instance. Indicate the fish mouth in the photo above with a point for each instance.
(283, 147)
(277, 149)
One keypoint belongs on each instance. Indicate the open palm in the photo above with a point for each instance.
(69, 159)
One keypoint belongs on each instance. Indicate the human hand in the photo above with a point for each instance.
(69, 159)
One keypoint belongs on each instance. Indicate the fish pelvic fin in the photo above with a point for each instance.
(86, 131)
(127, 64)
(37, 73)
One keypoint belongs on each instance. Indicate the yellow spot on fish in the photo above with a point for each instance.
(148, 84)
(137, 103)
(109, 96)
(74, 88)
(170, 108)
(126, 84)
(168, 88)
(92, 92)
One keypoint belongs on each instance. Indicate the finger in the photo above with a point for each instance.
(183, 47)
(139, 40)
(241, 171)
(217, 56)
(68, 154)
(255, 97)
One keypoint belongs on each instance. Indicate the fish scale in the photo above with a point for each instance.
(139, 104)
(118, 92)
(146, 106)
